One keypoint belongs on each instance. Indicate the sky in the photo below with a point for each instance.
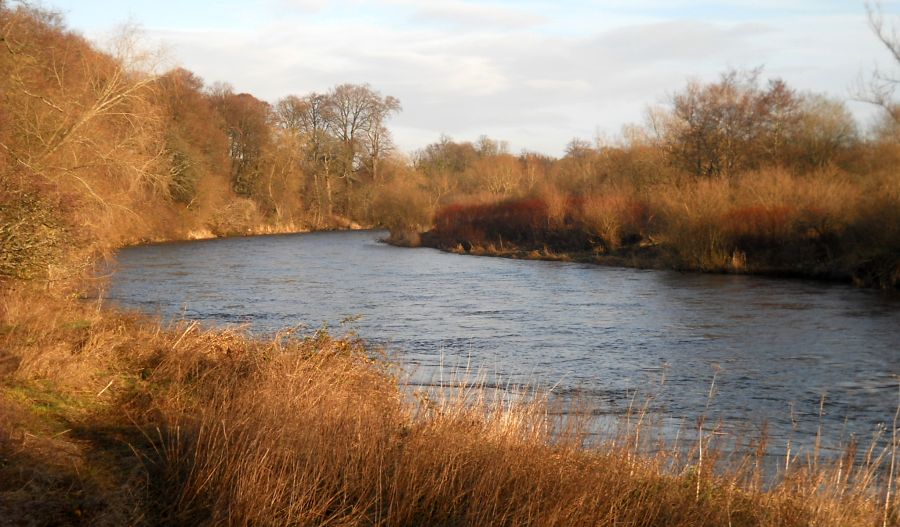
(534, 73)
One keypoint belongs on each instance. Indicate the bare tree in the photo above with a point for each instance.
(79, 114)
(343, 136)
(824, 129)
(879, 89)
(356, 116)
(310, 117)
(246, 120)
(722, 128)
(289, 114)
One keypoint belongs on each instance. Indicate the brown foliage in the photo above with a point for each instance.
(238, 217)
(246, 121)
(82, 131)
(33, 236)
(402, 204)
(614, 219)
(195, 139)
(734, 125)
(826, 223)
(182, 426)
(515, 221)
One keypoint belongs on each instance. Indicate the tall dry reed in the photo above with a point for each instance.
(185, 426)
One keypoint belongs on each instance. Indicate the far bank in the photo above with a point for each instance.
(779, 225)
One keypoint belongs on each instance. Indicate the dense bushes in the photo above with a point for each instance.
(613, 219)
(143, 156)
(599, 223)
(112, 419)
(516, 221)
(32, 236)
(401, 204)
(823, 224)
(734, 175)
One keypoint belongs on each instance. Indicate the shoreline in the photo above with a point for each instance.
(193, 236)
(644, 257)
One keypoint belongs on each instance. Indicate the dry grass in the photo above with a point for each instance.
(181, 426)
(108, 418)
(826, 224)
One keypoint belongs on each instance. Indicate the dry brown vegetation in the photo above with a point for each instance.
(827, 224)
(110, 419)
(730, 177)
(97, 150)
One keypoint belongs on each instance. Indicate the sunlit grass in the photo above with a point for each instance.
(188, 426)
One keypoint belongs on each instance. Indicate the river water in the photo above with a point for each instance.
(602, 334)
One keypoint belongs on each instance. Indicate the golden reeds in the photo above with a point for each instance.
(189, 426)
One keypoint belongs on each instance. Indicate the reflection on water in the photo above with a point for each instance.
(592, 332)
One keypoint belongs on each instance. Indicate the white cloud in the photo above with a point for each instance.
(519, 82)
(303, 6)
(470, 14)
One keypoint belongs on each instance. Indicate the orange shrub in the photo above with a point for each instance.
(762, 222)
(616, 219)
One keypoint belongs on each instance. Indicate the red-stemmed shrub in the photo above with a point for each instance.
(515, 221)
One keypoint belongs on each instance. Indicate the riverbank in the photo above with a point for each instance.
(638, 257)
(111, 418)
(766, 224)
(260, 229)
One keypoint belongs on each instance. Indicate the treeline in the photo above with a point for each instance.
(97, 150)
(737, 175)
(740, 174)
(308, 160)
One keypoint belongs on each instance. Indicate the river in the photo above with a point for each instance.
(775, 347)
